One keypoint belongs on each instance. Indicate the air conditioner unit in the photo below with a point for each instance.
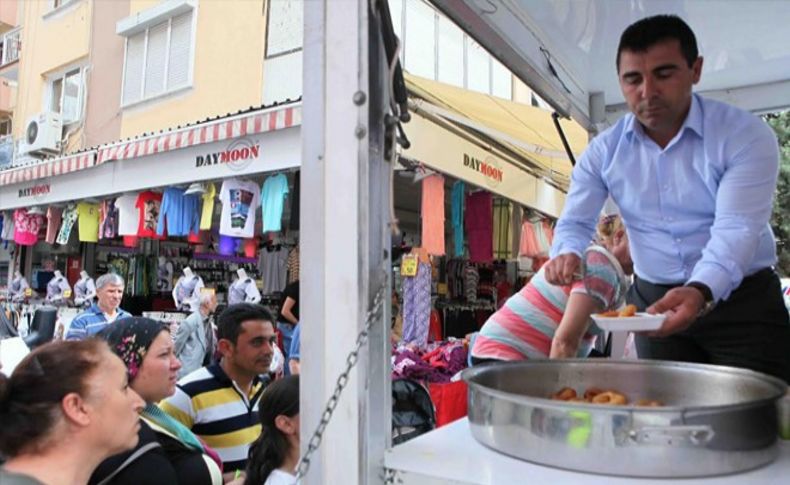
(43, 134)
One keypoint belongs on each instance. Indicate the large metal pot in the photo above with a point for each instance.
(717, 420)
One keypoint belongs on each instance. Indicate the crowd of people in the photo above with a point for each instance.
(111, 405)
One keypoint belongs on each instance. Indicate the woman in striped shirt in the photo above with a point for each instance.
(543, 320)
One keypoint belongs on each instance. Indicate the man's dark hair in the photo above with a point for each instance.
(230, 320)
(649, 31)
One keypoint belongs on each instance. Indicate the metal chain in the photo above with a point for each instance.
(342, 381)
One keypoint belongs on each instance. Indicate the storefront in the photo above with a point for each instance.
(149, 207)
(476, 210)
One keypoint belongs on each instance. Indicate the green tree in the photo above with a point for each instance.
(780, 219)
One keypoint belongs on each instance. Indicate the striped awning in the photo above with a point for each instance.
(48, 168)
(227, 128)
(251, 123)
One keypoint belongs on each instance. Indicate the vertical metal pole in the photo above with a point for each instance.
(342, 240)
(378, 393)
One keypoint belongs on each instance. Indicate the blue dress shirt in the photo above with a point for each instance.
(697, 210)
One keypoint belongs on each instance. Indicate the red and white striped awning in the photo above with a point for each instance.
(49, 168)
(227, 128)
(252, 123)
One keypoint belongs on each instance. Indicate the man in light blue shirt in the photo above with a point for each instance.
(694, 180)
(109, 293)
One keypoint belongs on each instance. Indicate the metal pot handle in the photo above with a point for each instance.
(697, 435)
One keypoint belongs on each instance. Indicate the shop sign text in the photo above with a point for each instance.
(34, 191)
(489, 168)
(239, 154)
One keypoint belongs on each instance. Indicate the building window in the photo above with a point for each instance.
(5, 127)
(282, 67)
(65, 95)
(435, 48)
(158, 59)
(285, 27)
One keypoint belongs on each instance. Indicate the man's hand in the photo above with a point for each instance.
(560, 270)
(682, 306)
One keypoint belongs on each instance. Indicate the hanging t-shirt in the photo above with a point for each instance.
(433, 214)
(503, 237)
(239, 201)
(67, 222)
(179, 212)
(207, 212)
(108, 219)
(273, 193)
(478, 219)
(273, 267)
(128, 215)
(8, 226)
(459, 191)
(148, 203)
(54, 215)
(88, 221)
(26, 227)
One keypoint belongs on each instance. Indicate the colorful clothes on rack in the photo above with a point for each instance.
(54, 216)
(417, 305)
(458, 198)
(525, 326)
(26, 227)
(68, 220)
(433, 214)
(479, 226)
(207, 210)
(273, 194)
(240, 200)
(88, 215)
(503, 237)
(180, 212)
(148, 204)
(436, 362)
(108, 219)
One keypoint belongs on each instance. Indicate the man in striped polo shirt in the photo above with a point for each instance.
(219, 403)
(109, 292)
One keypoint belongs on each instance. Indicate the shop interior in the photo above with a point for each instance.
(214, 258)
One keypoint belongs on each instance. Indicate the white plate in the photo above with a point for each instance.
(641, 322)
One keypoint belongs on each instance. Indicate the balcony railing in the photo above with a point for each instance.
(10, 45)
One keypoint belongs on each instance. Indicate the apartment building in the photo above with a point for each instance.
(105, 71)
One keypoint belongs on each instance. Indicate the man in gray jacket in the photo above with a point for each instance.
(195, 341)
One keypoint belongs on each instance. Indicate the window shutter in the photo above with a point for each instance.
(155, 60)
(180, 45)
(133, 73)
